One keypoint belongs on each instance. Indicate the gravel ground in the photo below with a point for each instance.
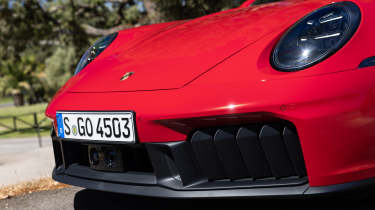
(76, 198)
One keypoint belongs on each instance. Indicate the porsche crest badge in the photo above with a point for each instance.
(126, 76)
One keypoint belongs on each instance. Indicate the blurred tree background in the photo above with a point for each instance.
(41, 41)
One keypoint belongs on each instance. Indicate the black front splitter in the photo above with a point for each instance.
(163, 192)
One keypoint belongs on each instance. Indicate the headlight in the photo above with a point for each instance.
(98, 47)
(316, 37)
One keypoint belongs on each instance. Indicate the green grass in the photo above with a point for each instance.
(24, 133)
(6, 100)
(16, 111)
(24, 113)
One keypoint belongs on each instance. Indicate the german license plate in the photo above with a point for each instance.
(96, 126)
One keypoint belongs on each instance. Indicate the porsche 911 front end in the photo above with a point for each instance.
(268, 100)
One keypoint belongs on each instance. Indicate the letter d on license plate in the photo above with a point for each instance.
(96, 126)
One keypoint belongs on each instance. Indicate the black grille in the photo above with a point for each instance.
(135, 157)
(257, 152)
(251, 156)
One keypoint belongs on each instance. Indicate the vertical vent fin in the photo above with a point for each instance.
(252, 153)
(257, 151)
(229, 154)
(276, 153)
(295, 151)
(206, 154)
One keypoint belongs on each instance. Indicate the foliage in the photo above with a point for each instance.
(59, 68)
(22, 76)
(23, 25)
(257, 2)
(177, 9)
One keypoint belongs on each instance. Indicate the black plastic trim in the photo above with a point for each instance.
(229, 154)
(207, 156)
(162, 192)
(294, 149)
(276, 154)
(345, 187)
(367, 62)
(128, 178)
(252, 152)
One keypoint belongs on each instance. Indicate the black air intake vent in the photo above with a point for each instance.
(257, 152)
(252, 156)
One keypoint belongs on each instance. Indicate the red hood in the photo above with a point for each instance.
(168, 56)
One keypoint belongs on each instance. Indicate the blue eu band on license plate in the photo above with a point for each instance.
(96, 126)
(60, 127)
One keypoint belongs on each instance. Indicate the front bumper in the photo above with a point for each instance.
(237, 161)
(205, 166)
(166, 184)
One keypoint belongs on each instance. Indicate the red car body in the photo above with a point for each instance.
(216, 71)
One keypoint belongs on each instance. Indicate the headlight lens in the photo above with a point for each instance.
(316, 37)
(97, 48)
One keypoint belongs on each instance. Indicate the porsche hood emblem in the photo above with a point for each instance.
(126, 76)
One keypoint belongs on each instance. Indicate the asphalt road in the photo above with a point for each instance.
(14, 146)
(22, 160)
(56, 199)
(76, 198)
(6, 105)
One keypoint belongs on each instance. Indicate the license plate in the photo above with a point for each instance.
(96, 126)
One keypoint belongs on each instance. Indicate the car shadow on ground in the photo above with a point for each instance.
(90, 199)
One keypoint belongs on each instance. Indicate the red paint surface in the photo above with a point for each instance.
(219, 65)
(247, 3)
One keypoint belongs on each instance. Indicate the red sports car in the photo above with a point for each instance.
(274, 99)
